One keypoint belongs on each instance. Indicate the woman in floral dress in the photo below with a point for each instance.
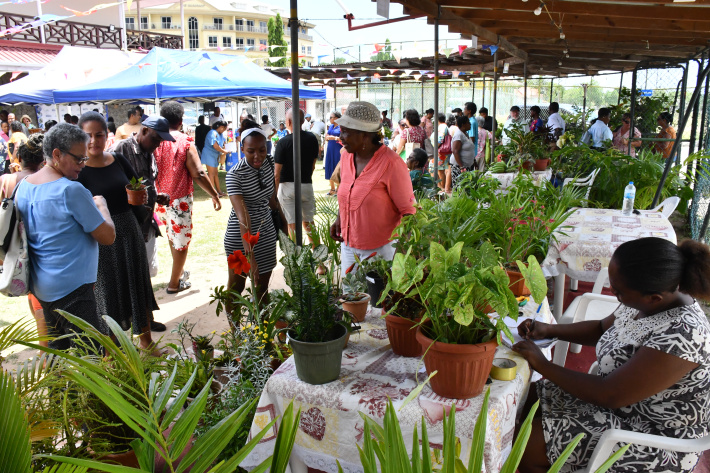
(654, 363)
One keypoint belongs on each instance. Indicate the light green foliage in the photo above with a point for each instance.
(276, 37)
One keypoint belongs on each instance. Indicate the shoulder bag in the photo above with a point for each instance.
(15, 268)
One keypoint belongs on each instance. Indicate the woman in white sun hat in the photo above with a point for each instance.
(375, 189)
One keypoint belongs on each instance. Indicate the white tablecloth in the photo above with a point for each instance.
(331, 425)
(588, 238)
(506, 179)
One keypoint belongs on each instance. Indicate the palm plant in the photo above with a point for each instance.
(19, 330)
(144, 407)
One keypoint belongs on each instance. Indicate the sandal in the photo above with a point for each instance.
(332, 193)
(182, 286)
(185, 275)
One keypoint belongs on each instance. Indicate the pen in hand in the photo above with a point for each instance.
(531, 328)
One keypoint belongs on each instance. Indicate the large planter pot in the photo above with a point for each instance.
(541, 164)
(402, 335)
(319, 363)
(375, 286)
(126, 459)
(462, 369)
(136, 197)
(358, 309)
(517, 283)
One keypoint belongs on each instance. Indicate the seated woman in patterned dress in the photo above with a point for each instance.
(654, 363)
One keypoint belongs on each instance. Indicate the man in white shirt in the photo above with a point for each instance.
(514, 121)
(270, 131)
(555, 121)
(316, 127)
(216, 116)
(599, 132)
(307, 123)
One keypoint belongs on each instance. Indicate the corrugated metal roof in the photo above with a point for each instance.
(24, 55)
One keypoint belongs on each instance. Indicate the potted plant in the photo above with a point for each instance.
(355, 299)
(376, 270)
(136, 191)
(315, 335)
(458, 337)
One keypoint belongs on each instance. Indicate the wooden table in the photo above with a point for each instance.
(586, 241)
(331, 426)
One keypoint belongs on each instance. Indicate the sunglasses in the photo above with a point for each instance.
(262, 186)
(78, 159)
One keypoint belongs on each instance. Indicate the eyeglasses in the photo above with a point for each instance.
(261, 183)
(78, 159)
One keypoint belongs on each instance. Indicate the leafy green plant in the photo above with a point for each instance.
(146, 409)
(136, 184)
(388, 448)
(23, 329)
(310, 309)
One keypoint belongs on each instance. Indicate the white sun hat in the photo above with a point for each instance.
(361, 116)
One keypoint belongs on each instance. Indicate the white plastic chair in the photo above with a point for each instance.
(582, 182)
(667, 206)
(613, 437)
(589, 306)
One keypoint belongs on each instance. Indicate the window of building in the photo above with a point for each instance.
(250, 43)
(239, 23)
(303, 30)
(130, 23)
(303, 50)
(250, 23)
(309, 63)
(193, 33)
(217, 23)
(309, 50)
(226, 42)
(144, 22)
(239, 43)
(263, 27)
(166, 22)
(212, 41)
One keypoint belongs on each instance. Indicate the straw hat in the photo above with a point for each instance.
(362, 116)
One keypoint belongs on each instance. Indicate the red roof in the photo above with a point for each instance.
(21, 52)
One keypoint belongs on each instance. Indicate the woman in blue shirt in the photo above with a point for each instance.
(64, 225)
(214, 146)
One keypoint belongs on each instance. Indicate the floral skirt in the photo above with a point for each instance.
(177, 218)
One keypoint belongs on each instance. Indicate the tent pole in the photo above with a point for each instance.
(436, 96)
(138, 12)
(494, 98)
(182, 24)
(525, 89)
(41, 28)
(483, 93)
(296, 117)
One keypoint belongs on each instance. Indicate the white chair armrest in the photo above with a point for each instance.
(581, 312)
(612, 437)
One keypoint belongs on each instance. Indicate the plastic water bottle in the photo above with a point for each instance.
(629, 196)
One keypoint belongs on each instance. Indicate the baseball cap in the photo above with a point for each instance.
(160, 125)
(308, 115)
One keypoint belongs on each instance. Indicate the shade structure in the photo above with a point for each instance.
(191, 75)
(71, 67)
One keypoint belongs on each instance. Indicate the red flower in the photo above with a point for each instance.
(172, 222)
(189, 235)
(184, 207)
(251, 239)
(350, 268)
(176, 228)
(238, 262)
(374, 253)
(161, 209)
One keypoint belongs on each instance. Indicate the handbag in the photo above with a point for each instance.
(445, 146)
(410, 146)
(15, 269)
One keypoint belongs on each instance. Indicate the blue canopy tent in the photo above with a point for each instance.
(186, 75)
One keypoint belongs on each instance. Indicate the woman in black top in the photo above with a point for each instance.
(123, 289)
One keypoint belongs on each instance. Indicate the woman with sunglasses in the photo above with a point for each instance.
(123, 288)
(252, 193)
(65, 226)
(621, 136)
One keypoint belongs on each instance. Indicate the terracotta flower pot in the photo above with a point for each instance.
(527, 165)
(541, 164)
(126, 459)
(136, 197)
(358, 309)
(462, 369)
(517, 283)
(402, 335)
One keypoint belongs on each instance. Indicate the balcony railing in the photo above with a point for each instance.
(63, 32)
(239, 27)
(215, 26)
(148, 40)
(305, 36)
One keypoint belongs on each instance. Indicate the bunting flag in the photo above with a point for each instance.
(364, 68)
(227, 62)
(42, 20)
(14, 76)
(219, 48)
(338, 80)
(378, 47)
(247, 48)
(321, 57)
(506, 67)
(349, 76)
(455, 74)
(408, 72)
(262, 47)
(447, 51)
(392, 71)
(335, 71)
(430, 76)
(397, 55)
(474, 42)
(416, 76)
(141, 66)
(493, 49)
(363, 78)
(91, 10)
(462, 48)
(128, 4)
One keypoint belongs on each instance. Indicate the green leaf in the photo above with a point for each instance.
(562, 459)
(415, 392)
(516, 454)
(285, 439)
(93, 464)
(612, 459)
(475, 458)
(463, 315)
(15, 447)
(534, 278)
(185, 426)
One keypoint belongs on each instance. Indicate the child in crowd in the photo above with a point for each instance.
(420, 177)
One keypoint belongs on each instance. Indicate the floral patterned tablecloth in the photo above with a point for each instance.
(588, 238)
(506, 179)
(331, 426)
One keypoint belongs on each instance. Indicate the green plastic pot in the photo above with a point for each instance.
(319, 363)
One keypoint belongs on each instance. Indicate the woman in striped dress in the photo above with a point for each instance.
(250, 185)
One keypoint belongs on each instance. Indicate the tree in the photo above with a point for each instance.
(276, 37)
(385, 53)
(339, 60)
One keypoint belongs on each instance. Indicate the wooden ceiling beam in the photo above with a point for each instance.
(655, 36)
(628, 12)
(625, 29)
(553, 37)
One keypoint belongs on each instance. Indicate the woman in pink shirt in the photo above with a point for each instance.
(375, 189)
